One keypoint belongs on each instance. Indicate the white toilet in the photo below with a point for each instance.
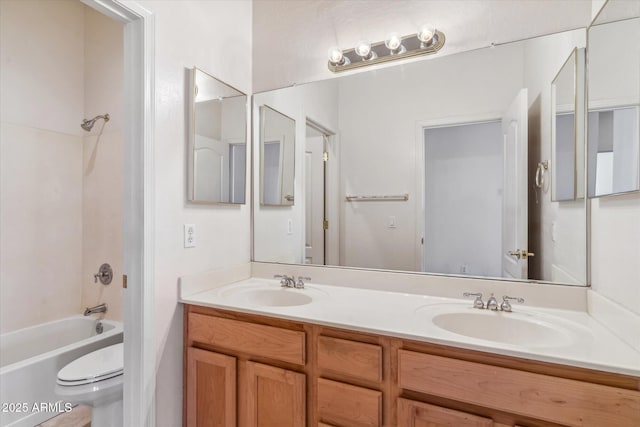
(95, 380)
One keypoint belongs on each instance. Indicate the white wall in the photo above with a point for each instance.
(103, 161)
(557, 230)
(378, 141)
(318, 102)
(215, 36)
(41, 108)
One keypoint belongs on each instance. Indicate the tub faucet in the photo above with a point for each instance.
(102, 308)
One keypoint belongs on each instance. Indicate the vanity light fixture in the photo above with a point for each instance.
(426, 41)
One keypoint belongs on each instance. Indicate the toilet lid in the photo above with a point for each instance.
(107, 362)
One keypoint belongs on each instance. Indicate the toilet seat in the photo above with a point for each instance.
(103, 364)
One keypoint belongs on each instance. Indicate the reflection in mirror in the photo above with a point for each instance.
(277, 161)
(430, 174)
(567, 134)
(217, 141)
(614, 100)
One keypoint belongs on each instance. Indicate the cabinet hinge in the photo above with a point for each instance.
(124, 281)
(325, 224)
(325, 156)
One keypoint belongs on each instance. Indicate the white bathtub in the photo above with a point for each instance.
(30, 359)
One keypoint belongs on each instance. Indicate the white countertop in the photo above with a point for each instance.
(588, 344)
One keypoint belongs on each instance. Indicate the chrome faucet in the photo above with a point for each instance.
(102, 308)
(477, 303)
(286, 281)
(492, 303)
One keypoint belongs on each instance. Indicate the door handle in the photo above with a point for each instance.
(519, 254)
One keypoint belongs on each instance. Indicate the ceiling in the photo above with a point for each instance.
(291, 37)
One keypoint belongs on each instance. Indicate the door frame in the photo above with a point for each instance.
(421, 125)
(331, 196)
(139, 213)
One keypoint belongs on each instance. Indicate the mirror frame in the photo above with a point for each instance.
(191, 107)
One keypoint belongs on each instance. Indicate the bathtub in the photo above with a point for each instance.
(30, 359)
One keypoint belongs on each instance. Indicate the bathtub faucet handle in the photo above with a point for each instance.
(105, 274)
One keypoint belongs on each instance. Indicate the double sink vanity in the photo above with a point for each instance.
(260, 353)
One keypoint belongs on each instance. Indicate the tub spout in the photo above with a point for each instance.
(102, 308)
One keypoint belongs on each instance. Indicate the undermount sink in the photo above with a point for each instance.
(523, 329)
(265, 295)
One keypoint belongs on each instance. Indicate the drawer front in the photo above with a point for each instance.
(261, 340)
(559, 400)
(347, 405)
(414, 414)
(355, 359)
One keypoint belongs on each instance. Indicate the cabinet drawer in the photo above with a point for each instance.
(355, 359)
(261, 340)
(559, 400)
(348, 405)
(413, 414)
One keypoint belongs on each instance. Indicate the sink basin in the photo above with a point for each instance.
(258, 294)
(522, 328)
(504, 328)
(276, 297)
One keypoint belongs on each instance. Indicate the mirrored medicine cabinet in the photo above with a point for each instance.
(217, 144)
(614, 100)
(567, 129)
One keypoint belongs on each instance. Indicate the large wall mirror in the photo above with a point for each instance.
(217, 141)
(430, 166)
(614, 99)
(567, 129)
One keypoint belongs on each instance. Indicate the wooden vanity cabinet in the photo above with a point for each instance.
(256, 371)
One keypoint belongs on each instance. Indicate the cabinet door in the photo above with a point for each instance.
(275, 397)
(418, 414)
(211, 389)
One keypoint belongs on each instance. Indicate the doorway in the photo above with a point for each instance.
(316, 158)
(462, 199)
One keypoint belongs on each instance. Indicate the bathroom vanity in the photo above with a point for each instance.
(258, 354)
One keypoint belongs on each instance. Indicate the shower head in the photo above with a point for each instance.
(88, 124)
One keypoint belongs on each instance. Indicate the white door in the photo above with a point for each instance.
(314, 200)
(211, 181)
(514, 202)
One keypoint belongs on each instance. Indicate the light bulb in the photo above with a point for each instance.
(335, 56)
(363, 49)
(426, 33)
(393, 41)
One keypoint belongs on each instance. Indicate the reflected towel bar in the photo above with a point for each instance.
(402, 198)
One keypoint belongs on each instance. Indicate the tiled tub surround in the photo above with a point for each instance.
(401, 305)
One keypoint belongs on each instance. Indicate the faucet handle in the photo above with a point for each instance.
(284, 280)
(300, 283)
(477, 303)
(506, 305)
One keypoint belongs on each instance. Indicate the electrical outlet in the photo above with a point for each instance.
(189, 235)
